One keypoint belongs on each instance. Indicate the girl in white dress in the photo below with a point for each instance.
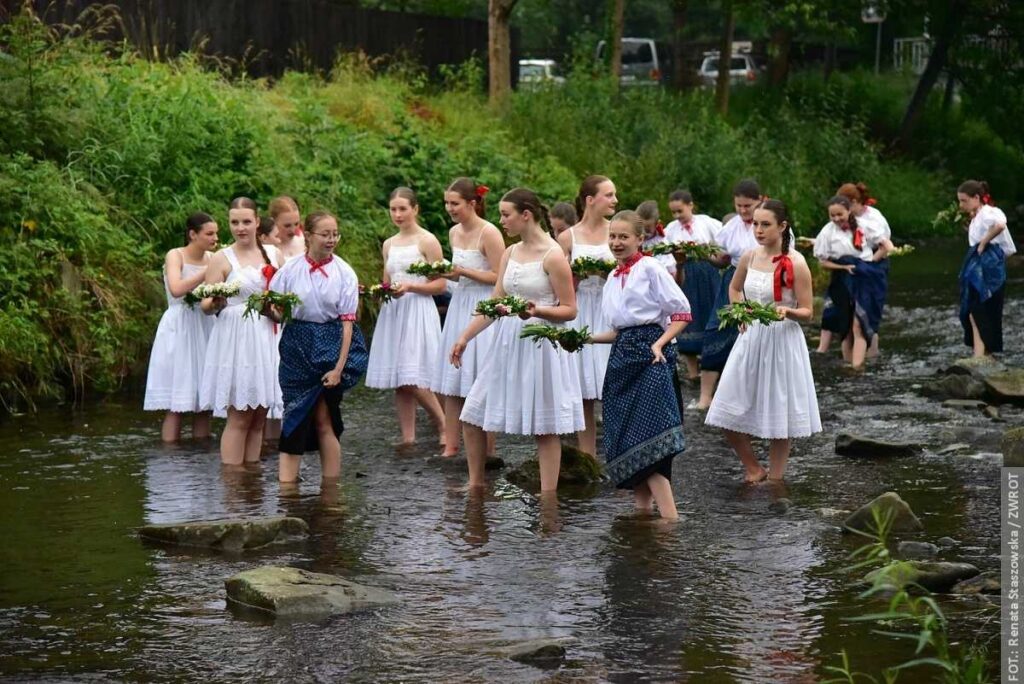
(983, 275)
(407, 339)
(240, 374)
(563, 216)
(524, 388)
(179, 349)
(767, 389)
(477, 247)
(595, 203)
(285, 213)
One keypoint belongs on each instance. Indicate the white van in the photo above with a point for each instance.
(641, 63)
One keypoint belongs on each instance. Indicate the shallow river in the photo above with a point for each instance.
(733, 592)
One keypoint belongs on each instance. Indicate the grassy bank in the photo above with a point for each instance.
(103, 154)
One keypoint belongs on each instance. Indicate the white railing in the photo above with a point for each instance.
(911, 51)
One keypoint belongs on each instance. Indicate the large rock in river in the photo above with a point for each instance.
(890, 503)
(865, 447)
(228, 535)
(292, 592)
(1006, 387)
(935, 577)
(578, 468)
(1013, 448)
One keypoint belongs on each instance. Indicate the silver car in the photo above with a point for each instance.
(742, 70)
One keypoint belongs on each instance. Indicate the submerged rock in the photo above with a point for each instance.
(954, 387)
(854, 445)
(228, 535)
(780, 506)
(938, 578)
(578, 468)
(890, 503)
(946, 542)
(1012, 445)
(979, 438)
(985, 583)
(542, 653)
(292, 592)
(916, 550)
(970, 404)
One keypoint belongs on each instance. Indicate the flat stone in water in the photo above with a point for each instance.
(935, 577)
(903, 518)
(854, 445)
(916, 550)
(964, 404)
(985, 583)
(954, 448)
(542, 653)
(1007, 386)
(229, 534)
(292, 592)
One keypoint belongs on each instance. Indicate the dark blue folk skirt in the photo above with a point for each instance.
(982, 291)
(870, 286)
(837, 316)
(718, 343)
(700, 285)
(643, 425)
(308, 351)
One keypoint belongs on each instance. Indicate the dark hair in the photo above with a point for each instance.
(855, 192)
(683, 196)
(470, 192)
(524, 199)
(566, 212)
(588, 188)
(633, 218)
(280, 205)
(246, 203)
(781, 214)
(974, 188)
(748, 188)
(195, 222)
(647, 210)
(267, 225)
(845, 203)
(405, 193)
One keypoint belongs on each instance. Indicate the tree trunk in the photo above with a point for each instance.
(499, 50)
(724, 59)
(679, 75)
(616, 13)
(951, 26)
(778, 51)
(830, 60)
(947, 95)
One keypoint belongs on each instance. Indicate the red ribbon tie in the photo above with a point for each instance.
(623, 269)
(319, 265)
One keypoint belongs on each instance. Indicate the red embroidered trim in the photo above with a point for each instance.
(347, 317)
(676, 317)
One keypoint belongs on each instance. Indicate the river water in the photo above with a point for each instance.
(732, 592)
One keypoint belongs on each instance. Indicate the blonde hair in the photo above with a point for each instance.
(281, 205)
(633, 219)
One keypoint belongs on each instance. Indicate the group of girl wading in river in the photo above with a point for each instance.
(619, 295)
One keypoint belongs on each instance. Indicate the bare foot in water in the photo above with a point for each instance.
(756, 476)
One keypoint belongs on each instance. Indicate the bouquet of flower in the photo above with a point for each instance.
(422, 268)
(583, 267)
(662, 248)
(745, 313)
(502, 306)
(902, 250)
(949, 220)
(380, 292)
(569, 339)
(285, 301)
(690, 249)
(204, 290)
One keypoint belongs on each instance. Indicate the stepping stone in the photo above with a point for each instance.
(865, 447)
(292, 592)
(916, 550)
(903, 519)
(935, 577)
(985, 583)
(228, 535)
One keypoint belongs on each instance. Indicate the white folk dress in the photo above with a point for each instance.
(179, 351)
(592, 360)
(525, 388)
(767, 389)
(241, 359)
(449, 380)
(407, 338)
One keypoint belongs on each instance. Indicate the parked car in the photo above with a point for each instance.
(533, 71)
(641, 62)
(742, 69)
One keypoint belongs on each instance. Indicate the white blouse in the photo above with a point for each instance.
(833, 243)
(983, 221)
(736, 237)
(327, 292)
(646, 294)
(666, 260)
(873, 223)
(703, 229)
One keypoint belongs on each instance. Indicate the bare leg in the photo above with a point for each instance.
(708, 380)
(330, 447)
(201, 425)
(848, 347)
(549, 455)
(587, 438)
(170, 431)
(873, 349)
(860, 346)
(254, 437)
(272, 429)
(405, 404)
(979, 344)
(492, 443)
(428, 400)
(476, 457)
(692, 367)
(288, 467)
(452, 425)
(232, 440)
(778, 456)
(661, 491)
(740, 443)
(642, 497)
(826, 341)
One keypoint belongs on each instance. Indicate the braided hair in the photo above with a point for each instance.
(781, 214)
(524, 199)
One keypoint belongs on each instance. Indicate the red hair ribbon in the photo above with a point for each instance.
(660, 229)
(623, 269)
(482, 190)
(319, 265)
(783, 274)
(986, 198)
(871, 201)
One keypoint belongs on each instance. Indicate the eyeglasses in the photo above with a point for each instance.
(326, 236)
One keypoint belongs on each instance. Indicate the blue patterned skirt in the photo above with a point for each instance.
(870, 285)
(837, 316)
(643, 425)
(700, 285)
(308, 351)
(982, 290)
(718, 343)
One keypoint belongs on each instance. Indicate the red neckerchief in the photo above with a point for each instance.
(659, 229)
(688, 226)
(623, 269)
(858, 235)
(783, 274)
(319, 265)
